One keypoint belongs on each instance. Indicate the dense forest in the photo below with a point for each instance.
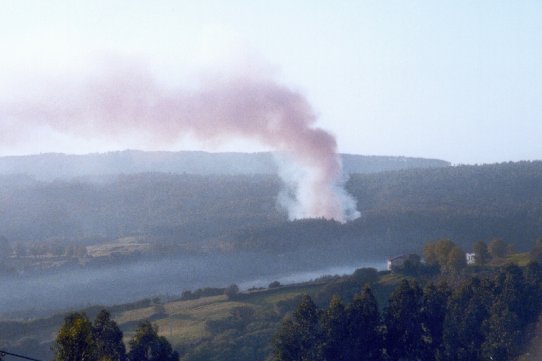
(400, 210)
(480, 318)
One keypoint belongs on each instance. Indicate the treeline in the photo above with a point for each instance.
(79, 339)
(189, 162)
(401, 210)
(246, 333)
(463, 203)
(481, 318)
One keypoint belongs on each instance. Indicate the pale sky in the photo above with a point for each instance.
(456, 80)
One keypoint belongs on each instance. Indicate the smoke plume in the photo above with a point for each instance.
(128, 101)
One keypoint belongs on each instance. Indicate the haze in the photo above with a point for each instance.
(455, 80)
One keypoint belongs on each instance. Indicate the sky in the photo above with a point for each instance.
(455, 80)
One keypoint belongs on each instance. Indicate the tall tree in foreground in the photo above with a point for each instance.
(433, 314)
(403, 320)
(300, 337)
(108, 338)
(75, 341)
(364, 340)
(503, 332)
(468, 308)
(146, 345)
(335, 331)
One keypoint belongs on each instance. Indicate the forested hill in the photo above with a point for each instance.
(481, 189)
(401, 210)
(62, 166)
(463, 203)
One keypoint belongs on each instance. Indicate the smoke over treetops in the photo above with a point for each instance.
(128, 101)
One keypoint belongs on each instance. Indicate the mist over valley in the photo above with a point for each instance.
(111, 238)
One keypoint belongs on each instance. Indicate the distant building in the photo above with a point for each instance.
(471, 258)
(398, 261)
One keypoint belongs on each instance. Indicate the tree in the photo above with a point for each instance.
(108, 338)
(481, 252)
(75, 341)
(536, 252)
(433, 313)
(503, 334)
(436, 253)
(456, 261)
(497, 248)
(446, 255)
(231, 291)
(532, 274)
(468, 308)
(403, 320)
(299, 338)
(335, 331)
(146, 345)
(515, 293)
(364, 340)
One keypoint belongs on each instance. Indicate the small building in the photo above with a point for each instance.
(471, 258)
(398, 261)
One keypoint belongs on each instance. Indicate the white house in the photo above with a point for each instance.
(398, 261)
(471, 258)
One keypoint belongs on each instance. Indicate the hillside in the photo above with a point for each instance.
(207, 327)
(62, 166)
(211, 324)
(400, 209)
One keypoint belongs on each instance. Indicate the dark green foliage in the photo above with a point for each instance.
(108, 338)
(202, 292)
(403, 321)
(363, 276)
(363, 337)
(532, 301)
(535, 253)
(512, 291)
(347, 287)
(146, 345)
(231, 291)
(335, 331)
(483, 318)
(467, 310)
(482, 255)
(299, 338)
(446, 255)
(283, 307)
(497, 248)
(79, 340)
(75, 341)
(338, 333)
(503, 334)
(433, 313)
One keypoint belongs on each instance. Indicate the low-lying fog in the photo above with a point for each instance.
(114, 284)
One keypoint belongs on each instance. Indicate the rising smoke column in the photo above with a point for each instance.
(124, 101)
